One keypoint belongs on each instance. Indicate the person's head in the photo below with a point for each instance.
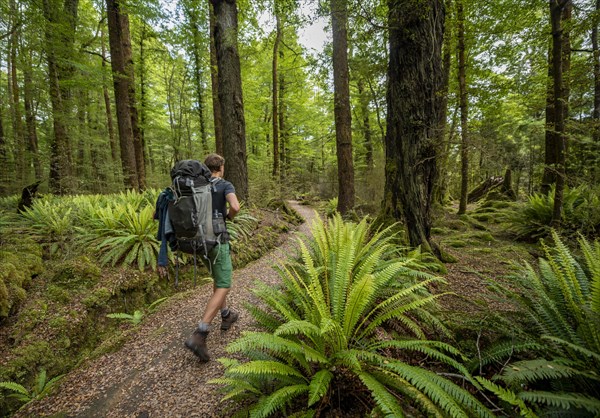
(214, 162)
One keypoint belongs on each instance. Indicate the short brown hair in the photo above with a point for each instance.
(214, 162)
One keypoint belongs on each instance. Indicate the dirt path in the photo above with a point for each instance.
(153, 374)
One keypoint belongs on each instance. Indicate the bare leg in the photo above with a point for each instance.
(224, 305)
(216, 302)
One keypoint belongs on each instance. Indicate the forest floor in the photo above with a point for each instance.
(154, 375)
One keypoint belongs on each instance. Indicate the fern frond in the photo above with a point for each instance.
(507, 396)
(277, 400)
(15, 387)
(562, 400)
(383, 398)
(539, 369)
(319, 385)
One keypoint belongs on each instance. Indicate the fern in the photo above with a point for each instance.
(561, 302)
(323, 332)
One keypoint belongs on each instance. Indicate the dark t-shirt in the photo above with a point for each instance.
(221, 188)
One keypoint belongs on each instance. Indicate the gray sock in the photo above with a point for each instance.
(203, 326)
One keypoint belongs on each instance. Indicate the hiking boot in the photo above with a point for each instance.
(197, 344)
(229, 320)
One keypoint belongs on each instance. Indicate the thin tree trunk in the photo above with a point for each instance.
(4, 169)
(114, 149)
(60, 36)
(284, 154)
(341, 106)
(230, 95)
(143, 99)
(464, 110)
(595, 147)
(116, 32)
(214, 79)
(32, 142)
(198, 73)
(16, 98)
(556, 16)
(275, 94)
(415, 81)
(443, 144)
(366, 125)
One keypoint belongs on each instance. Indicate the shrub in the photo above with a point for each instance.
(562, 303)
(329, 336)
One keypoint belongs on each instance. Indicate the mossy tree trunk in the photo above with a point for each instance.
(464, 109)
(230, 95)
(415, 80)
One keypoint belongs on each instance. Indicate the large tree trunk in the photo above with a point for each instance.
(464, 110)
(230, 95)
(341, 106)
(214, 79)
(415, 81)
(118, 28)
(556, 15)
(60, 36)
(275, 94)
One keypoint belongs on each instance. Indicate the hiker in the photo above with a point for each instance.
(219, 261)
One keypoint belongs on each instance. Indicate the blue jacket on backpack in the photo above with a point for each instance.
(165, 235)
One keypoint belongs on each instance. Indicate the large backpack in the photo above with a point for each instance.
(190, 213)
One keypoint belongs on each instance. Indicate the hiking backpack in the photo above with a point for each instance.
(197, 229)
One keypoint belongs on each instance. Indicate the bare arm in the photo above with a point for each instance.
(234, 205)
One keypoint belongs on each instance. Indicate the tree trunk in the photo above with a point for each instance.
(17, 122)
(556, 16)
(284, 155)
(366, 125)
(114, 149)
(32, 138)
(275, 94)
(214, 79)
(230, 95)
(415, 80)
(443, 144)
(464, 110)
(60, 36)
(143, 99)
(116, 25)
(341, 106)
(595, 147)
(4, 169)
(198, 73)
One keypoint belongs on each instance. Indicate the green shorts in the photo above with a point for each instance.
(220, 266)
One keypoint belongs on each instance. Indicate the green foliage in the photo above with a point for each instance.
(343, 327)
(331, 207)
(51, 224)
(562, 303)
(134, 319)
(123, 233)
(242, 226)
(581, 212)
(41, 388)
(138, 315)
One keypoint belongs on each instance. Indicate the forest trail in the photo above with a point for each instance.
(153, 374)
